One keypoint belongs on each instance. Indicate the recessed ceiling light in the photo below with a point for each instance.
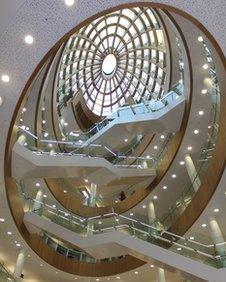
(24, 110)
(2, 219)
(201, 113)
(189, 148)
(200, 39)
(152, 266)
(209, 126)
(9, 233)
(65, 191)
(70, 3)
(174, 176)
(192, 238)
(182, 163)
(86, 180)
(164, 187)
(54, 206)
(162, 136)
(179, 249)
(18, 244)
(136, 272)
(5, 78)
(148, 157)
(45, 196)
(144, 206)
(41, 265)
(205, 66)
(116, 201)
(204, 91)
(126, 140)
(25, 144)
(43, 109)
(46, 134)
(196, 131)
(37, 184)
(117, 219)
(99, 222)
(204, 225)
(131, 214)
(50, 145)
(29, 39)
(118, 277)
(66, 124)
(155, 197)
(216, 210)
(155, 147)
(44, 121)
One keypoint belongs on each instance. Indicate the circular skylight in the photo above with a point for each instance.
(109, 65)
(117, 59)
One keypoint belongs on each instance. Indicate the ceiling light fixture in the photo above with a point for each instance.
(216, 210)
(204, 225)
(70, 3)
(155, 197)
(155, 147)
(144, 206)
(5, 78)
(29, 39)
(174, 176)
(204, 91)
(200, 39)
(164, 187)
(182, 163)
(9, 233)
(189, 148)
(162, 136)
(201, 113)
(126, 140)
(205, 66)
(131, 214)
(196, 131)
(2, 219)
(37, 184)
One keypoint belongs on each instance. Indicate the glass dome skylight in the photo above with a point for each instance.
(117, 59)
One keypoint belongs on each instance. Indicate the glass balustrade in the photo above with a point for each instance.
(152, 233)
(5, 274)
(206, 151)
(73, 253)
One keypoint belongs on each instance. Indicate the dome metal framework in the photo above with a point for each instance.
(117, 59)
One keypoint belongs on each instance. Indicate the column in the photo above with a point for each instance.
(152, 218)
(19, 265)
(161, 275)
(192, 172)
(93, 191)
(92, 203)
(22, 139)
(38, 203)
(218, 237)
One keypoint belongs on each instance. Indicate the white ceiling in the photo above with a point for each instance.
(19, 61)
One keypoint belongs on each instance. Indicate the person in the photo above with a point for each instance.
(122, 196)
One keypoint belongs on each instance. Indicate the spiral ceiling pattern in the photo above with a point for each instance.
(117, 59)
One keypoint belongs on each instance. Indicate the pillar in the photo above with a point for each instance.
(38, 203)
(22, 139)
(217, 238)
(161, 275)
(192, 172)
(152, 218)
(92, 203)
(93, 191)
(19, 265)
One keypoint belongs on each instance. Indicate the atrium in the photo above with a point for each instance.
(113, 132)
